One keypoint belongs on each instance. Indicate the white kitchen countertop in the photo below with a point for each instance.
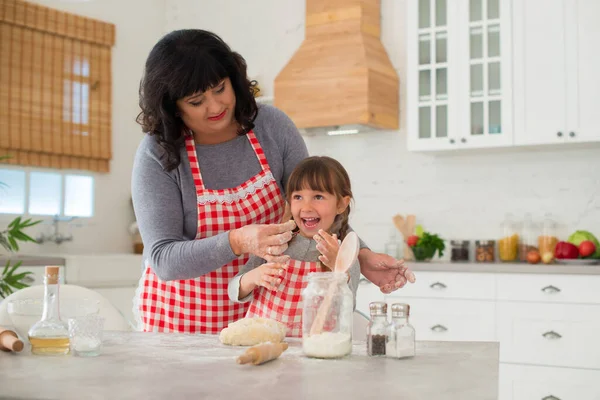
(507, 268)
(136, 365)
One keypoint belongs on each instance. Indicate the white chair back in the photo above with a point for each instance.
(113, 319)
(359, 327)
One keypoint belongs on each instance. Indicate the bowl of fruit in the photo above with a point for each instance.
(581, 248)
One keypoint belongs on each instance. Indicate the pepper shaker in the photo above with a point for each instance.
(377, 330)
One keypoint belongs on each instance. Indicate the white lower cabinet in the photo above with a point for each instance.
(562, 335)
(548, 326)
(524, 382)
(366, 293)
(450, 320)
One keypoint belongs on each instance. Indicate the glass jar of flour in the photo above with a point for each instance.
(327, 315)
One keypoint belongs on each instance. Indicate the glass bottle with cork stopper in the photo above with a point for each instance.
(401, 334)
(50, 335)
(377, 330)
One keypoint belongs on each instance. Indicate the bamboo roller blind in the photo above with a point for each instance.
(55, 88)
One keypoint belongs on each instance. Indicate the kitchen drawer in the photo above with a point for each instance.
(450, 320)
(451, 285)
(367, 292)
(549, 288)
(523, 382)
(562, 335)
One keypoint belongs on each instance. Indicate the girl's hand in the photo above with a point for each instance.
(268, 275)
(328, 245)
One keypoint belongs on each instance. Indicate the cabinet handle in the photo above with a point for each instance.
(559, 134)
(550, 398)
(28, 280)
(550, 289)
(451, 141)
(438, 286)
(572, 134)
(551, 335)
(463, 140)
(439, 328)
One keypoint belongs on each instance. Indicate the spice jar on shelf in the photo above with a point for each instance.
(377, 330)
(548, 240)
(460, 250)
(508, 245)
(485, 251)
(529, 237)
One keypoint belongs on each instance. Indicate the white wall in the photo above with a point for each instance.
(458, 195)
(139, 24)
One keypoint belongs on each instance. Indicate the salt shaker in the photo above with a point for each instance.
(377, 330)
(401, 341)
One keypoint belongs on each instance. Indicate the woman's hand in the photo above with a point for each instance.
(264, 241)
(268, 275)
(328, 246)
(384, 270)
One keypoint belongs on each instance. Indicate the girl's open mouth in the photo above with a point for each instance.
(311, 223)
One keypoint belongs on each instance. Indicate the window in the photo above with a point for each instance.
(56, 84)
(46, 193)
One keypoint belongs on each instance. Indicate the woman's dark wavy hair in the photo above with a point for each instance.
(323, 174)
(182, 63)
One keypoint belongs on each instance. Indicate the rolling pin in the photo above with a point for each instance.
(9, 341)
(261, 353)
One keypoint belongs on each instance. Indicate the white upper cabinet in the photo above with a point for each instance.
(540, 84)
(432, 70)
(459, 74)
(500, 73)
(583, 70)
(556, 65)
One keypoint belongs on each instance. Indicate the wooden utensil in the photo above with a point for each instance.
(261, 353)
(9, 341)
(406, 228)
(347, 254)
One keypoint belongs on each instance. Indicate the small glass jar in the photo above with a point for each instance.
(377, 330)
(327, 315)
(460, 250)
(393, 245)
(508, 245)
(401, 334)
(529, 237)
(485, 251)
(548, 240)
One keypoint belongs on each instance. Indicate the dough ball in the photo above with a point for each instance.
(252, 331)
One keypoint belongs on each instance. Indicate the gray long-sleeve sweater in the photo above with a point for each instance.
(165, 202)
(300, 248)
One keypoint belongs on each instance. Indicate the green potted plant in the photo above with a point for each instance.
(424, 245)
(9, 239)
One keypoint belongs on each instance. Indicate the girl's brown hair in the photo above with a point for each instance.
(323, 174)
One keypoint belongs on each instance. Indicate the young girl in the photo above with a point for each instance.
(319, 194)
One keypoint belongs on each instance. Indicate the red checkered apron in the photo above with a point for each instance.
(285, 305)
(201, 305)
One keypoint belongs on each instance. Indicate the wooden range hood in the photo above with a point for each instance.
(340, 78)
